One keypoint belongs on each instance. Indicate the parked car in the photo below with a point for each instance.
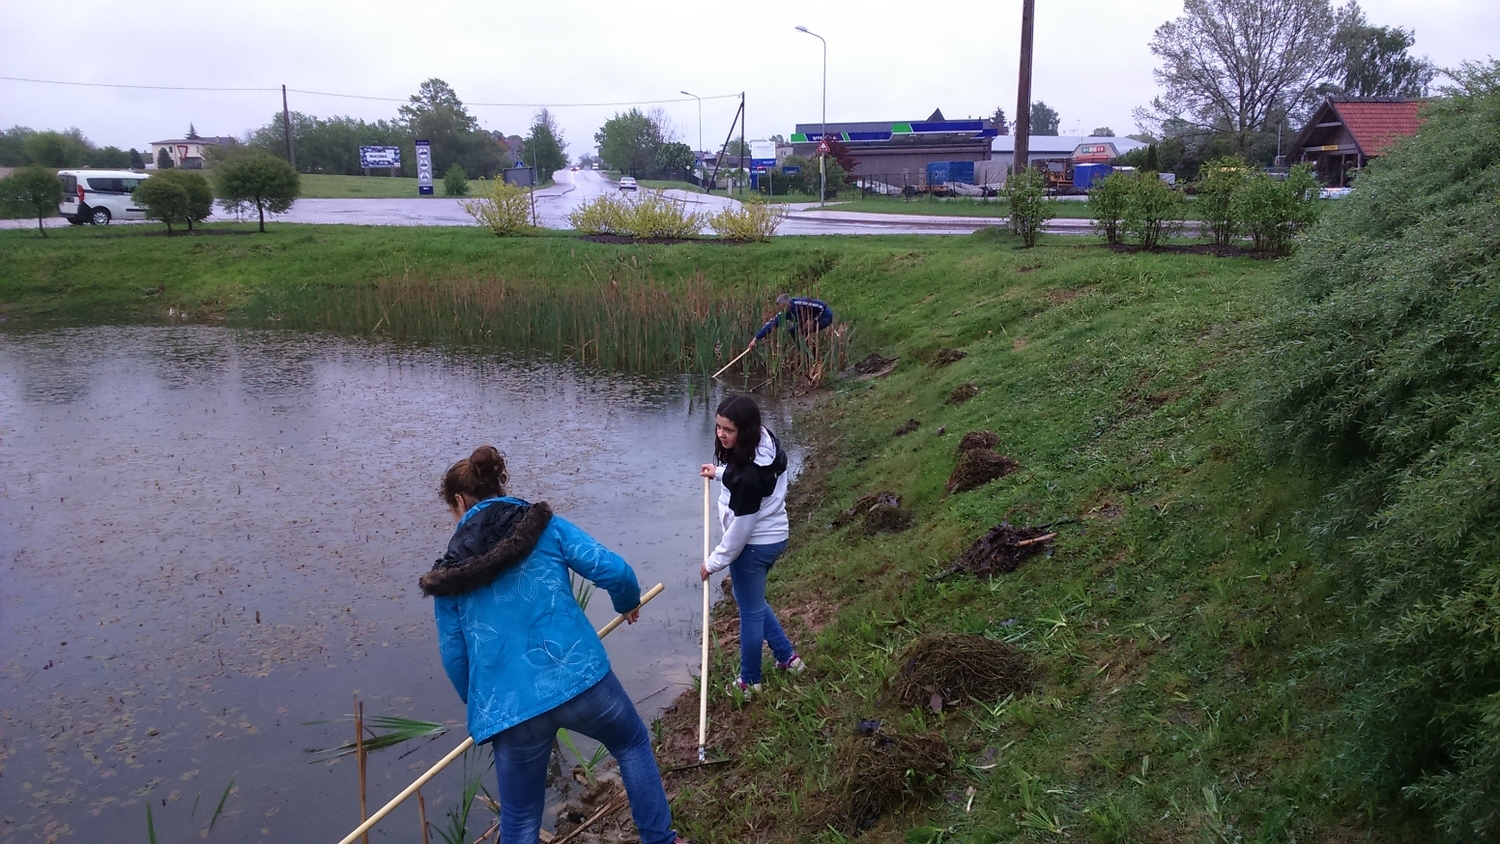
(98, 196)
(627, 183)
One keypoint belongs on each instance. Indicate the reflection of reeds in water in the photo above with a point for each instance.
(638, 325)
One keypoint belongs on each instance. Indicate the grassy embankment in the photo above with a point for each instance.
(1173, 633)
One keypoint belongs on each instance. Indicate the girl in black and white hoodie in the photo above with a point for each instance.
(749, 462)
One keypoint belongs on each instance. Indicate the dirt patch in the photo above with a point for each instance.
(962, 393)
(906, 428)
(880, 772)
(944, 670)
(1200, 249)
(945, 357)
(978, 462)
(1019, 343)
(1001, 550)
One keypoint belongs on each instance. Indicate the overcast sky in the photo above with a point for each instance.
(887, 60)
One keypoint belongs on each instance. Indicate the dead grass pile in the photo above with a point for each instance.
(881, 772)
(948, 669)
(962, 393)
(945, 357)
(874, 366)
(877, 512)
(1001, 550)
(978, 462)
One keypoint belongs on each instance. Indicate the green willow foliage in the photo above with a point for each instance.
(1386, 375)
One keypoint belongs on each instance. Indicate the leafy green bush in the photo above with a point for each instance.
(176, 196)
(753, 220)
(31, 190)
(1107, 202)
(505, 209)
(1273, 212)
(1387, 362)
(1221, 179)
(1030, 208)
(456, 182)
(605, 215)
(257, 181)
(654, 214)
(1153, 210)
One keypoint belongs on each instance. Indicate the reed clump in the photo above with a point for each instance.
(638, 325)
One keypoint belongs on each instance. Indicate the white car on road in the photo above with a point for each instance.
(98, 196)
(627, 183)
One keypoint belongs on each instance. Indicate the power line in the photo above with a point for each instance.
(355, 96)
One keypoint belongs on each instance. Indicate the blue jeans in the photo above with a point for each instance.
(758, 622)
(603, 713)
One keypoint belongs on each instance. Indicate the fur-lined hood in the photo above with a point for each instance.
(486, 545)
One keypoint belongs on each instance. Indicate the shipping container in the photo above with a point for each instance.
(1085, 176)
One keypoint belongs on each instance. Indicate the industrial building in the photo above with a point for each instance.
(898, 152)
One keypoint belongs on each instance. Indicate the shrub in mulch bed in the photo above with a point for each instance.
(962, 393)
(949, 669)
(906, 428)
(978, 462)
(1001, 550)
(881, 772)
(878, 512)
(947, 356)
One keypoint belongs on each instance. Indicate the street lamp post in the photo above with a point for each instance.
(823, 135)
(698, 151)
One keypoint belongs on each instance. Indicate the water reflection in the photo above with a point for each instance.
(212, 537)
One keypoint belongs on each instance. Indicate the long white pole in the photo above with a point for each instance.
(703, 675)
(467, 743)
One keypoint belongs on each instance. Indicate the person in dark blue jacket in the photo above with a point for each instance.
(803, 317)
(522, 655)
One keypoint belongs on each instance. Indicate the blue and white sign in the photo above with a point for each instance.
(371, 157)
(762, 155)
(424, 168)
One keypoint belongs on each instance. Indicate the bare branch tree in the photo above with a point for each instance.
(1240, 66)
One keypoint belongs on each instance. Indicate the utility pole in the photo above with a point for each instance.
(286, 126)
(823, 133)
(1022, 158)
(698, 152)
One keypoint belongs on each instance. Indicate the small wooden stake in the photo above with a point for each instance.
(359, 753)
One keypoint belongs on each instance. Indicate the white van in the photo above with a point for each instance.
(98, 196)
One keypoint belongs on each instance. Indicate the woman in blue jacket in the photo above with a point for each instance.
(522, 655)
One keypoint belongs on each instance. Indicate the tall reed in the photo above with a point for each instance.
(637, 325)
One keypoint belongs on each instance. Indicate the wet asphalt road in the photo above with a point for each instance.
(575, 188)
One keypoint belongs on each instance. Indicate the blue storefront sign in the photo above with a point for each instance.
(424, 168)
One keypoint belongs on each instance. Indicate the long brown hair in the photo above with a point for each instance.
(745, 414)
(481, 475)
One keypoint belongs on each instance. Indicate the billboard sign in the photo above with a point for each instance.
(424, 168)
(762, 155)
(379, 157)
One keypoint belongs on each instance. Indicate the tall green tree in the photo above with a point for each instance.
(629, 142)
(59, 149)
(32, 190)
(674, 159)
(258, 181)
(544, 147)
(1044, 119)
(1376, 61)
(13, 146)
(436, 114)
(1240, 67)
(998, 121)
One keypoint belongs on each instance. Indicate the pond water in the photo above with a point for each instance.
(212, 537)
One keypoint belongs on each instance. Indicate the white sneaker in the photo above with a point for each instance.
(795, 665)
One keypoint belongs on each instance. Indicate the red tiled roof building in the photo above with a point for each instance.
(1345, 133)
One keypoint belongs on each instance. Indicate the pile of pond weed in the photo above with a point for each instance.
(879, 772)
(945, 357)
(877, 513)
(978, 462)
(962, 393)
(1001, 550)
(948, 669)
